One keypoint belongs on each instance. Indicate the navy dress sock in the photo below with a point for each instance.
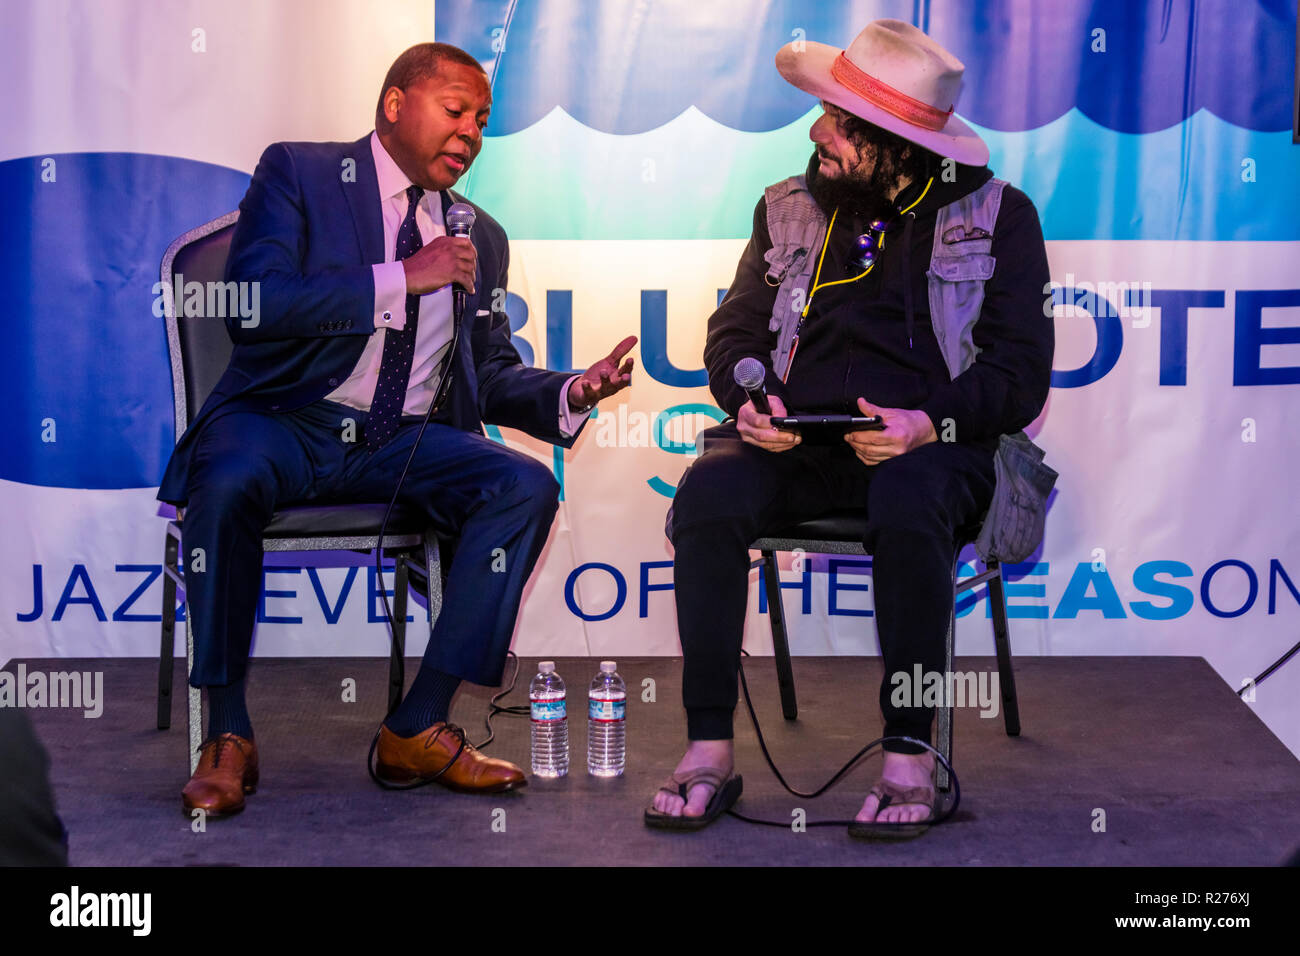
(227, 711)
(427, 703)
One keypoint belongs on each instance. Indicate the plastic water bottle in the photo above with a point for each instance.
(550, 722)
(606, 722)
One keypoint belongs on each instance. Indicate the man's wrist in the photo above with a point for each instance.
(580, 406)
(571, 418)
(925, 428)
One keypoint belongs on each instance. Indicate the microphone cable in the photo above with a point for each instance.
(1269, 670)
(513, 710)
(397, 655)
(784, 824)
(493, 709)
(459, 222)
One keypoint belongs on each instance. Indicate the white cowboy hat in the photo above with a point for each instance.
(894, 76)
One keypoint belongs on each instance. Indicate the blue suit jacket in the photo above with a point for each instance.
(309, 238)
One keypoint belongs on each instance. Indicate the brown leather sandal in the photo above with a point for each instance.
(889, 793)
(727, 787)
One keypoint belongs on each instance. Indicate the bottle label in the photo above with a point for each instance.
(547, 710)
(606, 710)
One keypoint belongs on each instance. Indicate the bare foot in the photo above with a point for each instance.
(720, 754)
(905, 770)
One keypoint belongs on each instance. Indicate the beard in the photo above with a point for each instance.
(865, 198)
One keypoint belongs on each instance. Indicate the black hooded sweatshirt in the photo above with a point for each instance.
(860, 340)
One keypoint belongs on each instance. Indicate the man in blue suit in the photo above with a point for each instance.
(324, 395)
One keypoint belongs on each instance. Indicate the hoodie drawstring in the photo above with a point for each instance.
(907, 274)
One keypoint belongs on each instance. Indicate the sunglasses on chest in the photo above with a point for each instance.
(867, 248)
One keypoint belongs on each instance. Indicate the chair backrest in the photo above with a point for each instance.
(198, 344)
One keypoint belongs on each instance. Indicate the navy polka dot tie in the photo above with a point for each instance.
(399, 345)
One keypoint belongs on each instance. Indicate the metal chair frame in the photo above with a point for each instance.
(412, 550)
(790, 539)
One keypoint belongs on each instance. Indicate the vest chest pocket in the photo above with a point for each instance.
(962, 268)
(956, 287)
(957, 292)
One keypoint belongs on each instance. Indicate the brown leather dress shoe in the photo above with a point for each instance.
(227, 770)
(432, 757)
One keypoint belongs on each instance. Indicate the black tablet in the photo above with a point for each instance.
(824, 429)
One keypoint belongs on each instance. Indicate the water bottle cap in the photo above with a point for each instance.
(546, 667)
(608, 667)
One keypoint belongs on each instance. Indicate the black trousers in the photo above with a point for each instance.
(735, 492)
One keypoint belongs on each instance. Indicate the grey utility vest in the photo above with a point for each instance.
(961, 262)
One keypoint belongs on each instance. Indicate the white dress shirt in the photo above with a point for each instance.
(433, 333)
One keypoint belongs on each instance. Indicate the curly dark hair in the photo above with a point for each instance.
(896, 157)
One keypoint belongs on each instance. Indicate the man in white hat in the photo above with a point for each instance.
(896, 278)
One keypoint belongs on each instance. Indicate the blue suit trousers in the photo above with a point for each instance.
(247, 464)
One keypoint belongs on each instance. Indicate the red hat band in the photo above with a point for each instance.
(886, 97)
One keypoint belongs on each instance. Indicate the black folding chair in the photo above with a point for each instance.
(200, 349)
(843, 532)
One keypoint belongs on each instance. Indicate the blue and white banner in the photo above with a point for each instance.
(627, 146)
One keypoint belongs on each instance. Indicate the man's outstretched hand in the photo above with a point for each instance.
(905, 429)
(604, 378)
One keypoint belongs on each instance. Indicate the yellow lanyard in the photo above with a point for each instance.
(826, 242)
(794, 342)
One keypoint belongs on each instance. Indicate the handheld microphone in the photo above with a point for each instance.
(460, 220)
(750, 375)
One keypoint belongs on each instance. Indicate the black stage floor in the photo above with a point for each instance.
(1184, 771)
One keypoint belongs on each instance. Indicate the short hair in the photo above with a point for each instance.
(418, 63)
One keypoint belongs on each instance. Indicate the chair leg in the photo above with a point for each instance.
(433, 569)
(167, 639)
(780, 646)
(396, 663)
(1001, 640)
(943, 715)
(194, 713)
